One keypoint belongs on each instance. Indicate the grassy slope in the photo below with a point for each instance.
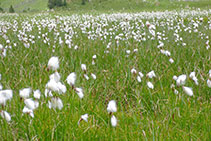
(20, 5)
(142, 113)
(106, 5)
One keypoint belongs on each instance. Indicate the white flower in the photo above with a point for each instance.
(6, 116)
(85, 117)
(192, 75)
(188, 90)
(31, 104)
(28, 111)
(79, 91)
(56, 103)
(112, 107)
(139, 79)
(52, 85)
(7, 94)
(1, 87)
(86, 76)
(171, 60)
(175, 77)
(150, 85)
(113, 121)
(37, 94)
(53, 63)
(83, 67)
(93, 76)
(181, 80)
(62, 88)
(24, 93)
(71, 79)
(135, 50)
(133, 70)
(141, 74)
(175, 91)
(55, 76)
(128, 51)
(59, 103)
(151, 74)
(209, 83)
(94, 56)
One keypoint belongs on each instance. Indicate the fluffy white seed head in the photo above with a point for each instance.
(37, 94)
(151, 74)
(141, 74)
(175, 77)
(79, 92)
(112, 107)
(181, 80)
(30, 104)
(71, 78)
(133, 71)
(53, 63)
(83, 67)
(150, 85)
(6, 116)
(25, 93)
(113, 121)
(85, 117)
(94, 56)
(188, 90)
(93, 76)
(138, 79)
(86, 76)
(56, 76)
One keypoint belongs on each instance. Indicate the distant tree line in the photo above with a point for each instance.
(56, 3)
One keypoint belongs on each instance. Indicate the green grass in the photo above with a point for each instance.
(105, 5)
(27, 5)
(143, 114)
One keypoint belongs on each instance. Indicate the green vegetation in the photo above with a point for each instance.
(103, 5)
(11, 9)
(142, 113)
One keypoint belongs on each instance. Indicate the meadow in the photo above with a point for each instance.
(60, 72)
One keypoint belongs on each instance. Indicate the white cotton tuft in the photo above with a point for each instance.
(79, 91)
(181, 80)
(113, 121)
(37, 94)
(150, 85)
(151, 74)
(53, 63)
(30, 104)
(138, 79)
(175, 77)
(141, 74)
(112, 107)
(55, 76)
(86, 76)
(133, 71)
(188, 90)
(24, 93)
(6, 116)
(85, 117)
(93, 76)
(209, 83)
(171, 60)
(71, 79)
(83, 67)
(56, 103)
